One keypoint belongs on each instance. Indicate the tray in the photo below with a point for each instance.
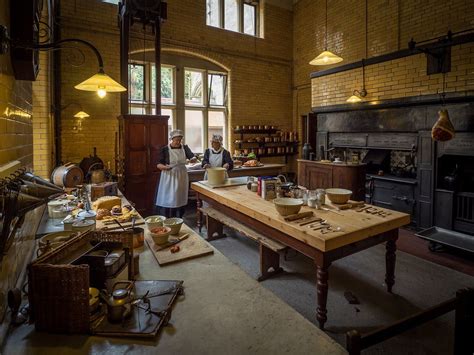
(141, 323)
(448, 237)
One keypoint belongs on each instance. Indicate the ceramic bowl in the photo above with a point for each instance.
(174, 223)
(154, 221)
(160, 237)
(286, 206)
(338, 195)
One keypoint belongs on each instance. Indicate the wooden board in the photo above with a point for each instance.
(355, 226)
(192, 247)
(237, 181)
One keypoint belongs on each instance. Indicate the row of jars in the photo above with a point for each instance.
(255, 127)
(266, 150)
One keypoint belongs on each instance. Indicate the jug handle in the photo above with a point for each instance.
(282, 176)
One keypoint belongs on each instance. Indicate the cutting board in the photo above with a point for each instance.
(241, 180)
(192, 247)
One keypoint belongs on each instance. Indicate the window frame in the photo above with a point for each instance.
(179, 106)
(256, 4)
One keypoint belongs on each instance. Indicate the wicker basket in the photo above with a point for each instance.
(59, 292)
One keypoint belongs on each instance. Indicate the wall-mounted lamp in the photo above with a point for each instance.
(326, 57)
(100, 82)
(357, 95)
(81, 114)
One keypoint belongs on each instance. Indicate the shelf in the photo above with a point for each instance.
(256, 131)
(269, 144)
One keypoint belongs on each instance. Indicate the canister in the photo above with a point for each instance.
(83, 225)
(54, 204)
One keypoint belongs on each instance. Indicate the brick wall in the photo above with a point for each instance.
(43, 123)
(259, 69)
(16, 136)
(391, 25)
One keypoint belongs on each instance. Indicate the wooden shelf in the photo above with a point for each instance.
(256, 131)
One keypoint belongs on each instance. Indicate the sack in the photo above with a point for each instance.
(443, 129)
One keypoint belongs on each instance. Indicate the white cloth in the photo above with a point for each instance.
(174, 183)
(215, 161)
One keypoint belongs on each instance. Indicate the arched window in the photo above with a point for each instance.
(193, 94)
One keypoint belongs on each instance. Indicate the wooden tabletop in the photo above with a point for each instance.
(355, 226)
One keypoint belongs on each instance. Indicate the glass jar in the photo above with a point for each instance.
(321, 196)
(312, 198)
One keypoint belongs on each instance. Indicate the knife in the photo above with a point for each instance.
(180, 239)
(330, 210)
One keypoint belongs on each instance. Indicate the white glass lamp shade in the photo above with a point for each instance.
(326, 58)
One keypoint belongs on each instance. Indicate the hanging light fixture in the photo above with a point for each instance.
(357, 95)
(326, 57)
(81, 115)
(100, 82)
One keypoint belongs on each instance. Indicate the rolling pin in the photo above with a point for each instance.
(294, 217)
(350, 205)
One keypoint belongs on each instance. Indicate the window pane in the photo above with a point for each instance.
(136, 82)
(216, 125)
(168, 112)
(216, 93)
(137, 110)
(213, 16)
(249, 19)
(231, 15)
(193, 130)
(193, 87)
(167, 85)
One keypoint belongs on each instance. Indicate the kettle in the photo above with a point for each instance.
(118, 303)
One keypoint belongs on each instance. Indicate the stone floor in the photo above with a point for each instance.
(419, 285)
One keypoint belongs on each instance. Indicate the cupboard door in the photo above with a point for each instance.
(318, 177)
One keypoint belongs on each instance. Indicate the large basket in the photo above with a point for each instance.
(59, 292)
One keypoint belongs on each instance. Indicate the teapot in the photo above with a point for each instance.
(118, 303)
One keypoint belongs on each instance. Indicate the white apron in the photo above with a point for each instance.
(215, 161)
(174, 183)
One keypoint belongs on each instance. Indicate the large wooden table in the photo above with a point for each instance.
(360, 231)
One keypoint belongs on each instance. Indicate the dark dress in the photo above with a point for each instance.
(226, 158)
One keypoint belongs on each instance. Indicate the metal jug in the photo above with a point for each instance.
(118, 303)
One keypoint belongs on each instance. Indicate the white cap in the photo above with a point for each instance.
(217, 138)
(176, 133)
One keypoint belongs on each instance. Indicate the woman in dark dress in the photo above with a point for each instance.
(217, 156)
(172, 195)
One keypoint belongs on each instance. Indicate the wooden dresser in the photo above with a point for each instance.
(315, 175)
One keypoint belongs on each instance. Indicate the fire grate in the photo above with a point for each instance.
(465, 207)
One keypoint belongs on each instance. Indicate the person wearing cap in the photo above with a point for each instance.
(217, 156)
(172, 193)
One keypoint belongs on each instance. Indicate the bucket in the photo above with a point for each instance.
(216, 176)
(67, 175)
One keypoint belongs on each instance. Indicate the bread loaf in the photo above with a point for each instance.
(106, 202)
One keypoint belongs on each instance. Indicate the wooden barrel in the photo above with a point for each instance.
(67, 175)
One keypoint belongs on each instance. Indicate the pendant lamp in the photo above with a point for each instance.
(326, 57)
(102, 83)
(81, 115)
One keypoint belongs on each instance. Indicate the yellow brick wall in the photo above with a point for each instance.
(43, 121)
(16, 131)
(391, 25)
(260, 72)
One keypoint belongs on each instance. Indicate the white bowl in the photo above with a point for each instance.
(340, 196)
(154, 221)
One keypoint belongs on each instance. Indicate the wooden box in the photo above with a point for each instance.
(103, 189)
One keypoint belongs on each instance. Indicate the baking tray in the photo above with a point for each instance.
(448, 237)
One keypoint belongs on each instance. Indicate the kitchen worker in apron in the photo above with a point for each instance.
(172, 195)
(217, 156)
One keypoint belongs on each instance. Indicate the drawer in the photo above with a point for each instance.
(395, 187)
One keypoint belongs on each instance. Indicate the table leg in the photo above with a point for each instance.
(390, 258)
(322, 276)
(198, 212)
(269, 259)
(214, 227)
